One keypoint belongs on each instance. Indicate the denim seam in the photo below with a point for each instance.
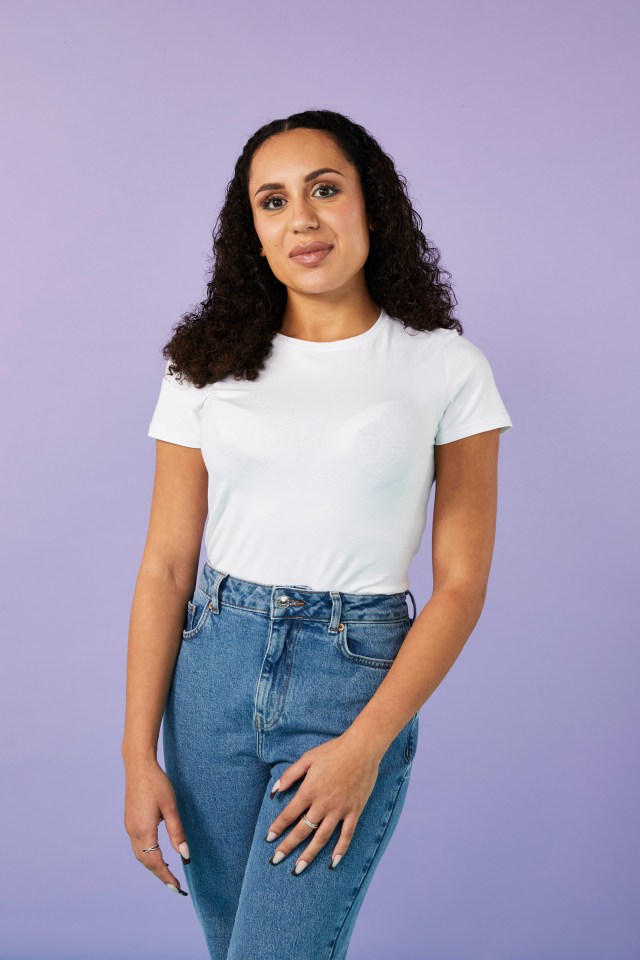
(368, 868)
(258, 720)
(379, 663)
(285, 684)
(199, 627)
(241, 606)
(376, 662)
(410, 746)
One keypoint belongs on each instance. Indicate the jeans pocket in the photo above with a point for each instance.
(198, 612)
(372, 643)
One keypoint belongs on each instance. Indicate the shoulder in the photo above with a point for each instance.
(453, 350)
(462, 356)
(182, 386)
(454, 343)
(420, 341)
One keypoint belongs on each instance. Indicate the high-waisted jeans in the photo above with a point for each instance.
(263, 673)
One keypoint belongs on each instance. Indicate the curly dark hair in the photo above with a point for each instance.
(232, 331)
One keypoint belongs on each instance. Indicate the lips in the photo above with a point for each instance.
(305, 248)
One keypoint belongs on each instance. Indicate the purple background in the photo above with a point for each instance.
(515, 125)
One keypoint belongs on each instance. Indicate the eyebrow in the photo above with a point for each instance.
(309, 176)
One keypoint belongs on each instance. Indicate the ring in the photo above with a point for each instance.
(308, 822)
(149, 849)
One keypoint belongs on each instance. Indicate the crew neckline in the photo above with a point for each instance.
(344, 344)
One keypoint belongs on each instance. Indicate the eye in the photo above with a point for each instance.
(265, 203)
(320, 186)
(329, 186)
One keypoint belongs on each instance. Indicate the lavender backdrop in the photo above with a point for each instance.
(514, 124)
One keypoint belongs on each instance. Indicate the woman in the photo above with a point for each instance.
(306, 407)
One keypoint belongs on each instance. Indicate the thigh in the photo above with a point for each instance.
(313, 914)
(210, 758)
(326, 683)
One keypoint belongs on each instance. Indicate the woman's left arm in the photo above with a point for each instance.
(340, 774)
(464, 524)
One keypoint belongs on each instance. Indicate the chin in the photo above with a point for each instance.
(321, 286)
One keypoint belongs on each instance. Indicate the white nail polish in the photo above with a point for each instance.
(300, 865)
(271, 836)
(184, 849)
(336, 859)
(173, 887)
(277, 857)
(276, 786)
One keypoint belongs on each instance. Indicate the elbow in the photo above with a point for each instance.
(468, 592)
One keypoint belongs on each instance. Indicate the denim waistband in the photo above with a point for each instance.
(301, 602)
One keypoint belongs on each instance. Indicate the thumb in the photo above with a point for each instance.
(177, 836)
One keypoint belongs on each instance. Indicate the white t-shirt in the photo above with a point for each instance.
(320, 470)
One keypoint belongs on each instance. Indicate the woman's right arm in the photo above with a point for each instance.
(165, 582)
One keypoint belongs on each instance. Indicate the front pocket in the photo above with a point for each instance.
(372, 643)
(199, 610)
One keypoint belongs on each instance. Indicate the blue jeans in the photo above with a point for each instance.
(263, 673)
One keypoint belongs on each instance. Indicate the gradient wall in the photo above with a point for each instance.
(515, 126)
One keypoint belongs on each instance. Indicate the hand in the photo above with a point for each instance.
(339, 778)
(149, 798)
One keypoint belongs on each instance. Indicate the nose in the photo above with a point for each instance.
(303, 214)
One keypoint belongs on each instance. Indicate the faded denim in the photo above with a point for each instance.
(263, 673)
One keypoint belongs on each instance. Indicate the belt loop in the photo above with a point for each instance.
(215, 588)
(415, 609)
(336, 610)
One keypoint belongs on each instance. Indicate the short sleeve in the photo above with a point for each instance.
(472, 402)
(176, 417)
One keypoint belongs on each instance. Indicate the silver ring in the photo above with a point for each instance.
(149, 849)
(308, 822)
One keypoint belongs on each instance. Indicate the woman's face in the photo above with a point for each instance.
(303, 190)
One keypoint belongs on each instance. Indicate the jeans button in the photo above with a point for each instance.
(283, 600)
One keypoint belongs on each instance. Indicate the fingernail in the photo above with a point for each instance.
(173, 887)
(277, 857)
(299, 867)
(336, 860)
(275, 789)
(270, 836)
(184, 851)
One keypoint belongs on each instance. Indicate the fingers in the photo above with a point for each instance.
(149, 800)
(176, 834)
(348, 829)
(302, 803)
(292, 812)
(319, 839)
(321, 834)
(291, 774)
(153, 860)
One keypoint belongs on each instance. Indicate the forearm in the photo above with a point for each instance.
(155, 631)
(428, 652)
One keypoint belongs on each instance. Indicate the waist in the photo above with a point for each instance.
(278, 600)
